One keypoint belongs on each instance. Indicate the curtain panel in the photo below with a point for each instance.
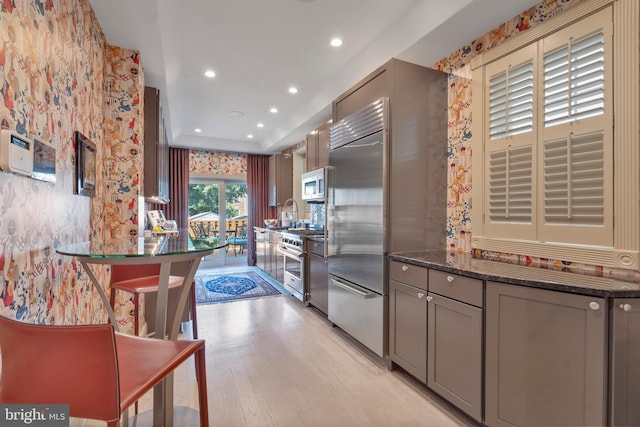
(258, 200)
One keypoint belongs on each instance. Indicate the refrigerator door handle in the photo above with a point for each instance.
(354, 289)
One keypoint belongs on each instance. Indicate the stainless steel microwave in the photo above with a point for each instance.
(313, 185)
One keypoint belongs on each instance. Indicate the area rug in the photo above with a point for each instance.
(212, 289)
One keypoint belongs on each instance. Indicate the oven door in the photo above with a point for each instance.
(294, 266)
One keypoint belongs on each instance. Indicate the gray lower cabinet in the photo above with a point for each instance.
(262, 241)
(455, 353)
(625, 362)
(545, 357)
(408, 318)
(277, 260)
(454, 361)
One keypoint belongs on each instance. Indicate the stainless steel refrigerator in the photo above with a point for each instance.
(357, 234)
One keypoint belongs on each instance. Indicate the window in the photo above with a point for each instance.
(544, 181)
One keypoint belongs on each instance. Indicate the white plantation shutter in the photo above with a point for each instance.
(576, 156)
(510, 185)
(510, 153)
(574, 80)
(511, 101)
(574, 184)
(547, 167)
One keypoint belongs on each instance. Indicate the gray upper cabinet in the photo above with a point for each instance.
(455, 340)
(408, 318)
(280, 178)
(625, 363)
(156, 149)
(545, 357)
(317, 152)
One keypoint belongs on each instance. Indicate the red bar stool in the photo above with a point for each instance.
(141, 279)
(97, 372)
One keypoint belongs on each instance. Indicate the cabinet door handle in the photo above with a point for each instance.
(429, 298)
(420, 295)
(405, 268)
(450, 279)
(594, 305)
(626, 307)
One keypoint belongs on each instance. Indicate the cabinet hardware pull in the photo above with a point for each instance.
(429, 298)
(594, 305)
(450, 279)
(420, 295)
(405, 268)
(626, 307)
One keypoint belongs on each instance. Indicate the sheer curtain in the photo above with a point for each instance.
(178, 206)
(258, 199)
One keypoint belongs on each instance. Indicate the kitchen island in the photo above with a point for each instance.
(516, 345)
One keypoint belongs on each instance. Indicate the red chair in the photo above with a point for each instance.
(141, 279)
(99, 373)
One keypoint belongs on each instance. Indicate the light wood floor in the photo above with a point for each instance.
(274, 362)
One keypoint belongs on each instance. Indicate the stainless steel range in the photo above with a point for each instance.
(292, 249)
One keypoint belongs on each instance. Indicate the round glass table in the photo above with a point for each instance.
(165, 250)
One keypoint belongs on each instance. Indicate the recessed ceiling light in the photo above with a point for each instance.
(273, 110)
(250, 136)
(210, 73)
(197, 130)
(260, 125)
(293, 90)
(336, 42)
(236, 113)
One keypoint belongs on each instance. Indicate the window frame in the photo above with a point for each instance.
(623, 251)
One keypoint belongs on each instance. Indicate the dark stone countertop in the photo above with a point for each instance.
(467, 265)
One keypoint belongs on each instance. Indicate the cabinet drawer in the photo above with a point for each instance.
(315, 247)
(457, 287)
(409, 274)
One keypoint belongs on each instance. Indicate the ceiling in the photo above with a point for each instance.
(259, 48)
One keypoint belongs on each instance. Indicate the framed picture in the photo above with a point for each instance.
(85, 166)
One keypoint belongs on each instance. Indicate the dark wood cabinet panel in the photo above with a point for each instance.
(155, 149)
(545, 357)
(317, 151)
(280, 178)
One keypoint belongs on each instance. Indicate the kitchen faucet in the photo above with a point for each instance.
(294, 210)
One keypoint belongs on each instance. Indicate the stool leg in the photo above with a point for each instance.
(136, 328)
(112, 299)
(201, 376)
(194, 316)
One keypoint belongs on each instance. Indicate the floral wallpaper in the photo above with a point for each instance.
(217, 163)
(53, 60)
(460, 142)
(124, 133)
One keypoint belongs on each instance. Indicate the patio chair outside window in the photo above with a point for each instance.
(238, 239)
